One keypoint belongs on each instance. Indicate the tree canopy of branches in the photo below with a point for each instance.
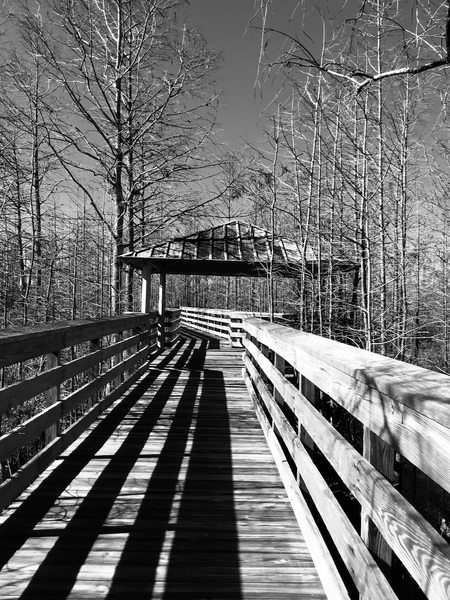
(361, 102)
(130, 104)
(418, 33)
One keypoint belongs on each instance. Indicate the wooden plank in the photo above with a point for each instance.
(427, 392)
(94, 369)
(382, 456)
(411, 429)
(422, 550)
(17, 393)
(52, 396)
(37, 340)
(31, 428)
(369, 580)
(94, 588)
(201, 327)
(11, 488)
(330, 577)
(172, 494)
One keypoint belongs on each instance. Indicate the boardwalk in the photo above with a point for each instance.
(172, 495)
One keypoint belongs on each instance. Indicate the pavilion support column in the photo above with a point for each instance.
(146, 288)
(161, 310)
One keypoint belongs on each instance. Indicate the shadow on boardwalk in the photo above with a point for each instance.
(143, 506)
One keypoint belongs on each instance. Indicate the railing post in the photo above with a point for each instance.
(132, 350)
(173, 317)
(94, 372)
(169, 326)
(235, 328)
(382, 456)
(161, 310)
(116, 359)
(52, 395)
(280, 364)
(308, 390)
(230, 328)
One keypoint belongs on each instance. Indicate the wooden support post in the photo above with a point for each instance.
(52, 395)
(146, 288)
(168, 328)
(230, 328)
(235, 329)
(128, 372)
(115, 360)
(94, 371)
(118, 358)
(266, 352)
(161, 310)
(308, 390)
(382, 456)
(280, 364)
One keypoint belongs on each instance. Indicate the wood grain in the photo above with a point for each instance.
(17, 345)
(369, 580)
(329, 574)
(31, 428)
(17, 393)
(173, 493)
(416, 425)
(422, 550)
(11, 488)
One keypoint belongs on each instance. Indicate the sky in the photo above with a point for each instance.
(224, 23)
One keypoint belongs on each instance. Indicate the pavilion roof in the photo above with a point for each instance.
(234, 248)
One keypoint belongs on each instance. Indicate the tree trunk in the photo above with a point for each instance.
(381, 190)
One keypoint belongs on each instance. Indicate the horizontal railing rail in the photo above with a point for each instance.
(57, 379)
(298, 383)
(226, 324)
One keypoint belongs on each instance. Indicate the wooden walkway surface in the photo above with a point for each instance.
(172, 495)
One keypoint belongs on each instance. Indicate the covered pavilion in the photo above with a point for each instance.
(231, 249)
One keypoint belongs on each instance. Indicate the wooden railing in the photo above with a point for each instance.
(75, 370)
(172, 322)
(226, 324)
(299, 383)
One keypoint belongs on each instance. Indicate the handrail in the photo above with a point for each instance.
(226, 324)
(66, 383)
(293, 378)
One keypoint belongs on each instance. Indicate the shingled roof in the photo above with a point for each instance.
(234, 248)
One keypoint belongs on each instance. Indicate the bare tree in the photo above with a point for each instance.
(29, 168)
(420, 29)
(360, 50)
(135, 106)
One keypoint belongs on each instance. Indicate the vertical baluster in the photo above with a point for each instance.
(118, 359)
(94, 371)
(280, 364)
(161, 310)
(52, 395)
(382, 456)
